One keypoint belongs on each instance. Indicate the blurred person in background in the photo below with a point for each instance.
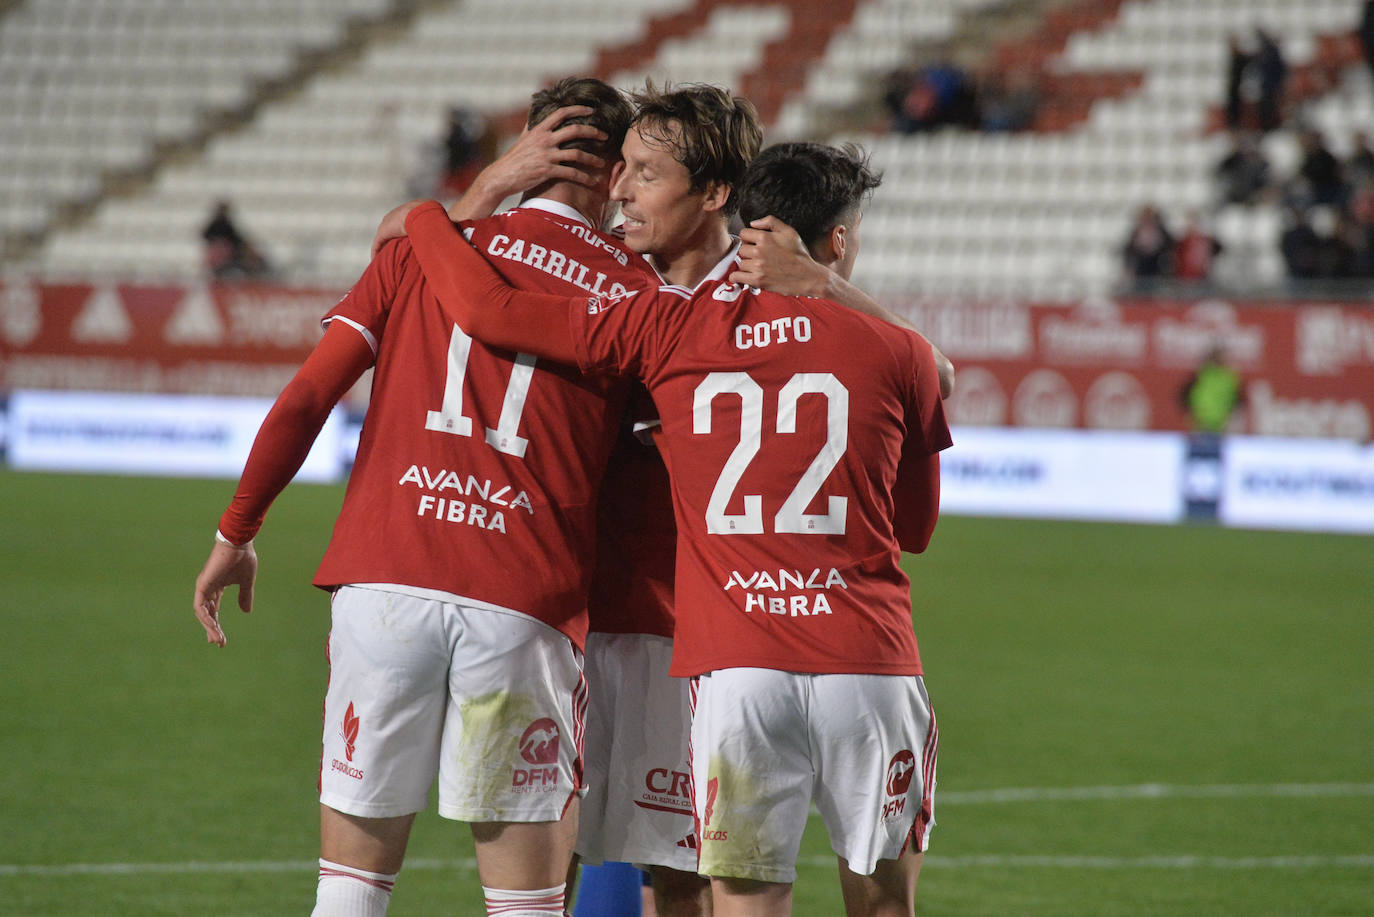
(930, 97)
(1243, 173)
(1367, 33)
(1299, 244)
(1360, 233)
(1148, 253)
(1008, 100)
(469, 144)
(1359, 165)
(229, 254)
(1320, 178)
(1212, 393)
(1239, 58)
(1195, 252)
(1272, 72)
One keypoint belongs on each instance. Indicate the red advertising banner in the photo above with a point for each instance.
(1308, 368)
(241, 340)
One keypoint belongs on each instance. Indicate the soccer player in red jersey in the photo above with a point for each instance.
(802, 439)
(460, 561)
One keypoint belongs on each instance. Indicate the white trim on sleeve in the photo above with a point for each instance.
(367, 335)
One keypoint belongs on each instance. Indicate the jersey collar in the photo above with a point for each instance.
(557, 208)
(722, 270)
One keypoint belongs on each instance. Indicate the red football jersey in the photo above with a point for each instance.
(477, 470)
(632, 588)
(785, 421)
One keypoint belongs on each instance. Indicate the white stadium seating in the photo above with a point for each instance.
(95, 85)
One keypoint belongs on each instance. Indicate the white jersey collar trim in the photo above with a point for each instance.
(722, 270)
(557, 208)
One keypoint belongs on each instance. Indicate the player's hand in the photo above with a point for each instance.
(226, 566)
(393, 225)
(536, 157)
(774, 258)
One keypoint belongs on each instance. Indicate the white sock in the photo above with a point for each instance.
(345, 891)
(534, 902)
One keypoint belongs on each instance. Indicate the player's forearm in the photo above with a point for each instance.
(478, 299)
(283, 442)
(480, 200)
(917, 501)
(290, 428)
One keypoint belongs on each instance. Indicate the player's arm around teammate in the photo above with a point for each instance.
(773, 257)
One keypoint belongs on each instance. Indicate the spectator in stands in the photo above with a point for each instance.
(1367, 33)
(229, 254)
(1008, 100)
(469, 144)
(1239, 59)
(1243, 173)
(1320, 179)
(1299, 244)
(1359, 165)
(1336, 254)
(1272, 71)
(1360, 233)
(1311, 245)
(931, 97)
(1194, 252)
(1148, 254)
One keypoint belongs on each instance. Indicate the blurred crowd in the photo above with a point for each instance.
(1327, 200)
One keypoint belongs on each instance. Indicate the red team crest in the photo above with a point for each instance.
(349, 732)
(539, 744)
(899, 773)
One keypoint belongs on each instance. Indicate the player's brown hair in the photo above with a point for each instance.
(612, 116)
(713, 134)
(811, 187)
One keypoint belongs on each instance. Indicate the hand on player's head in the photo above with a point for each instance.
(774, 258)
(539, 155)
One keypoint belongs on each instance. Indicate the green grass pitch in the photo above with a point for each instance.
(1186, 716)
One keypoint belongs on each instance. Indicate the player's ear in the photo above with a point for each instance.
(839, 240)
(832, 246)
(716, 196)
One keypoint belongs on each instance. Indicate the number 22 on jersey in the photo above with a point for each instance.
(450, 417)
(791, 517)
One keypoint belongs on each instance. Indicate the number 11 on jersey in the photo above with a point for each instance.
(450, 417)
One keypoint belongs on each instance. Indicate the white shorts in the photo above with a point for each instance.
(638, 807)
(766, 744)
(492, 702)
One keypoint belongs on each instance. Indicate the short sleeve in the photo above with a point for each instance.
(927, 430)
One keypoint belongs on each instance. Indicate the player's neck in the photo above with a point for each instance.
(590, 202)
(688, 265)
